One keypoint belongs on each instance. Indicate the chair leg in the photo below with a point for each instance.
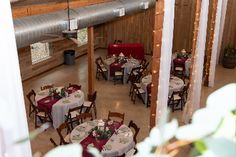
(95, 111)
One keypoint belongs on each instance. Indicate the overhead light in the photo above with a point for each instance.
(144, 5)
(119, 11)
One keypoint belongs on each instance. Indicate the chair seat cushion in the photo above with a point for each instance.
(177, 97)
(118, 73)
(73, 114)
(67, 138)
(41, 114)
(130, 153)
(87, 103)
(138, 84)
(141, 91)
(179, 68)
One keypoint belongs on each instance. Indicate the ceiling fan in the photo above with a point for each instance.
(70, 34)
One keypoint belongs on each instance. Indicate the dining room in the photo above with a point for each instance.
(109, 77)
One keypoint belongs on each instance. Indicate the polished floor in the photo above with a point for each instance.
(109, 97)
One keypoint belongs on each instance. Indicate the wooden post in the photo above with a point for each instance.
(90, 60)
(210, 42)
(158, 25)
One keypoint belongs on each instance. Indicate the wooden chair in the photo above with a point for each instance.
(42, 115)
(46, 87)
(72, 113)
(149, 94)
(117, 42)
(119, 76)
(90, 104)
(64, 129)
(176, 101)
(132, 125)
(143, 62)
(185, 92)
(84, 116)
(101, 69)
(120, 116)
(31, 97)
(179, 69)
(133, 74)
(137, 91)
(53, 142)
(75, 86)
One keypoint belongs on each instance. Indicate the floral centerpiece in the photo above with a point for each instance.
(102, 131)
(53, 92)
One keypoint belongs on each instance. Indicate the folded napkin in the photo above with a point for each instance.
(107, 147)
(124, 140)
(42, 93)
(77, 95)
(121, 54)
(80, 128)
(66, 101)
(77, 137)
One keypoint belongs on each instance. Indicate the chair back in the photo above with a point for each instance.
(78, 87)
(84, 116)
(143, 62)
(71, 120)
(134, 126)
(92, 97)
(31, 97)
(118, 115)
(46, 87)
(64, 127)
(53, 142)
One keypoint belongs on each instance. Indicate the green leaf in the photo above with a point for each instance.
(221, 147)
(200, 146)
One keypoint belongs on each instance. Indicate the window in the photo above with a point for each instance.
(39, 52)
(82, 36)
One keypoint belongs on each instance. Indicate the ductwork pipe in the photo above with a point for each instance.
(32, 29)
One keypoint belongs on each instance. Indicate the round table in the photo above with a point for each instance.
(175, 84)
(111, 66)
(119, 143)
(61, 106)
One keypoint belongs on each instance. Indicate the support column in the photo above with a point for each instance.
(90, 60)
(199, 41)
(158, 25)
(210, 42)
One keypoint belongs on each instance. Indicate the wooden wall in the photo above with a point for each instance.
(137, 28)
(48, 6)
(57, 57)
(229, 36)
(183, 24)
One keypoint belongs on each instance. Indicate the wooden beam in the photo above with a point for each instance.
(90, 60)
(158, 25)
(22, 11)
(211, 33)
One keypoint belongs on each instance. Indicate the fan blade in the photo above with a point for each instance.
(75, 41)
(51, 35)
(52, 40)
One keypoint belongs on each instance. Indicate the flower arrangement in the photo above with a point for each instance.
(53, 92)
(102, 131)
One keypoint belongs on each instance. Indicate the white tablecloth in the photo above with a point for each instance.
(62, 106)
(176, 84)
(131, 63)
(117, 145)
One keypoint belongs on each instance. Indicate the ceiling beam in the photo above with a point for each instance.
(29, 10)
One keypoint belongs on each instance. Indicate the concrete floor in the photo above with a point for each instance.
(109, 97)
